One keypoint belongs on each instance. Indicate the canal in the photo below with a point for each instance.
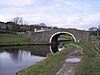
(16, 58)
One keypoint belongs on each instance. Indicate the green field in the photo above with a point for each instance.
(9, 39)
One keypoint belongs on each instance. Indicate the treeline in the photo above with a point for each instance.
(95, 31)
(17, 24)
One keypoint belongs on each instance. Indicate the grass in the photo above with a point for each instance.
(48, 66)
(8, 39)
(90, 65)
(65, 37)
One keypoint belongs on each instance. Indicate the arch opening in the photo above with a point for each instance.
(54, 40)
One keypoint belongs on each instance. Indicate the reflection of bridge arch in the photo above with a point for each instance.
(56, 35)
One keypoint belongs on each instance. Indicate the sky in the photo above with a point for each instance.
(80, 14)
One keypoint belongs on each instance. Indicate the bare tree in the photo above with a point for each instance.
(25, 23)
(18, 20)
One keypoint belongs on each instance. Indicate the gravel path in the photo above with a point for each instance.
(71, 62)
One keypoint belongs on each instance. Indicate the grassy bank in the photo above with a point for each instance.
(90, 65)
(8, 39)
(48, 66)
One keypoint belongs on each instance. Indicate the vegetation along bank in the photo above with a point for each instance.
(10, 39)
(90, 64)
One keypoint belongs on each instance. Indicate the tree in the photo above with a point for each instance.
(93, 30)
(42, 25)
(25, 23)
(98, 32)
(98, 26)
(16, 28)
(18, 20)
(99, 29)
(55, 27)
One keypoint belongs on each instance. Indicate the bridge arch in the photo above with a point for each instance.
(53, 39)
(57, 34)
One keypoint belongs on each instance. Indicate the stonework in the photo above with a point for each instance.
(45, 36)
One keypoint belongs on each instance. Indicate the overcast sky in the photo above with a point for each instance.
(80, 14)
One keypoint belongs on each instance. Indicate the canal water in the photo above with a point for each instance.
(16, 58)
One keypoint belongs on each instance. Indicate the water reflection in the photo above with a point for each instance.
(58, 46)
(16, 58)
(39, 50)
(13, 59)
(54, 48)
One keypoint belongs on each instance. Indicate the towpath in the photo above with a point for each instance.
(71, 62)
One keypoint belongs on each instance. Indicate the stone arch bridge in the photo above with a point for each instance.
(51, 36)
